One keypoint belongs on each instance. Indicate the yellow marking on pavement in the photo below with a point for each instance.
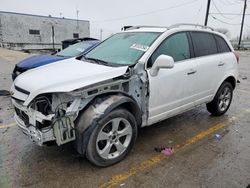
(7, 126)
(158, 158)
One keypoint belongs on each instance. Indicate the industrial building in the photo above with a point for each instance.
(33, 32)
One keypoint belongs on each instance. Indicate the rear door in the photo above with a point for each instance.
(208, 65)
(225, 56)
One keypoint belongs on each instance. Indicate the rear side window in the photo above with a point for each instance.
(204, 44)
(222, 45)
(176, 46)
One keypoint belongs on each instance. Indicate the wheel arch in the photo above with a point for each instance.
(231, 80)
(96, 109)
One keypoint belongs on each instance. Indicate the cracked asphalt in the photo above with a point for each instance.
(198, 160)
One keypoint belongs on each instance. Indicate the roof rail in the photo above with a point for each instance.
(190, 24)
(125, 28)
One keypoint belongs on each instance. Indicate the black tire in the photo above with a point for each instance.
(214, 106)
(92, 150)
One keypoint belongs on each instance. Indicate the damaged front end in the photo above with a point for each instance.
(51, 117)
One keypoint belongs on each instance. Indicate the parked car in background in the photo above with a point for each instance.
(133, 79)
(74, 50)
(69, 42)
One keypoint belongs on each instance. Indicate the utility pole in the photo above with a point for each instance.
(207, 13)
(242, 23)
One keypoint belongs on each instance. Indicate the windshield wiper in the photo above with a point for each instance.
(99, 61)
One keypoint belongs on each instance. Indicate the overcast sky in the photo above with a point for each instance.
(111, 15)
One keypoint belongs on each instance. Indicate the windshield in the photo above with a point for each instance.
(74, 50)
(123, 48)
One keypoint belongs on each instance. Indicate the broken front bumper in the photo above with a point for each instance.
(27, 119)
(41, 128)
(38, 136)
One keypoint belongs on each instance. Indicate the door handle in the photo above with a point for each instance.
(221, 64)
(192, 71)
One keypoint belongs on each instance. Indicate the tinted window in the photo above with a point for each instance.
(176, 46)
(204, 43)
(222, 45)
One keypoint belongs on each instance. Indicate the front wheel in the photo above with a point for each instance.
(112, 139)
(222, 100)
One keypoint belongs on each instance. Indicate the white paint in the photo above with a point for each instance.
(65, 76)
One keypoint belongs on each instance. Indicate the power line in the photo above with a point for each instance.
(198, 13)
(223, 21)
(227, 22)
(229, 13)
(147, 13)
(229, 2)
(221, 12)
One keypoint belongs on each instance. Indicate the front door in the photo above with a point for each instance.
(172, 90)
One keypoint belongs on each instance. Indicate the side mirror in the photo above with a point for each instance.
(162, 62)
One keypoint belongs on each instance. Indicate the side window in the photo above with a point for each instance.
(176, 46)
(222, 45)
(204, 44)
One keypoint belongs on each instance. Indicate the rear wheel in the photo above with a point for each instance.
(222, 100)
(112, 139)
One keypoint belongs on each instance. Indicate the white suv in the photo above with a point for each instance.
(133, 79)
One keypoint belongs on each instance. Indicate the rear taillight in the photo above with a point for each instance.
(237, 56)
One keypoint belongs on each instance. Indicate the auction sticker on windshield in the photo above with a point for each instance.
(140, 47)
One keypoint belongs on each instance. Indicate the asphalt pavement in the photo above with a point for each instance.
(206, 151)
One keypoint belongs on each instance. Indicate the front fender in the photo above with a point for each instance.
(88, 119)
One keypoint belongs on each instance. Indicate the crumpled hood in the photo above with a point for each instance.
(38, 60)
(65, 76)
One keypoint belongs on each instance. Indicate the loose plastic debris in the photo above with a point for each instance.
(218, 137)
(4, 93)
(170, 141)
(159, 149)
(122, 184)
(165, 150)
